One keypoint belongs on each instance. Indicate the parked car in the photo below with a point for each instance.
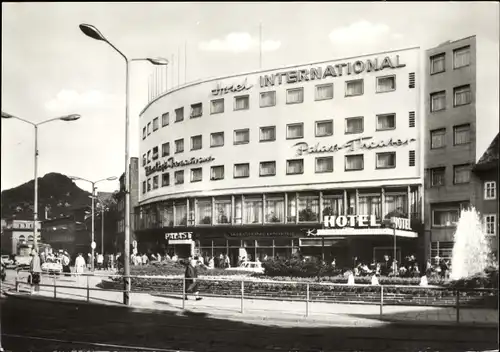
(22, 261)
(52, 267)
(8, 261)
(255, 267)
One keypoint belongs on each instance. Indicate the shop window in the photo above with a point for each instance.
(323, 91)
(438, 63)
(204, 212)
(253, 210)
(490, 190)
(156, 123)
(165, 119)
(386, 84)
(324, 128)
(179, 145)
(461, 174)
(324, 164)
(386, 160)
(294, 131)
(267, 99)
(165, 179)
(179, 114)
(267, 134)
(217, 139)
(438, 101)
(461, 95)
(396, 205)
(242, 102)
(386, 122)
(275, 209)
(241, 136)
(461, 57)
(196, 110)
(223, 211)
(461, 134)
(354, 88)
(180, 213)
(295, 167)
(196, 142)
(354, 162)
(308, 206)
(438, 176)
(196, 174)
(241, 170)
(179, 177)
(217, 172)
(267, 168)
(438, 138)
(295, 96)
(354, 125)
(445, 218)
(217, 106)
(165, 149)
(166, 214)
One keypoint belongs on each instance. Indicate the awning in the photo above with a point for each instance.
(366, 231)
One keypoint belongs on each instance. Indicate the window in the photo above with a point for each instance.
(156, 123)
(490, 223)
(196, 142)
(241, 170)
(179, 114)
(461, 134)
(437, 176)
(149, 128)
(386, 160)
(386, 122)
(196, 174)
(438, 138)
(442, 218)
(295, 95)
(411, 119)
(165, 149)
(353, 88)
(354, 162)
(461, 57)
(149, 184)
(438, 101)
(217, 172)
(462, 95)
(461, 174)
(155, 153)
(267, 168)
(411, 80)
(217, 139)
(323, 92)
(386, 84)
(324, 164)
(267, 134)
(438, 63)
(143, 187)
(411, 158)
(149, 156)
(196, 110)
(242, 102)
(295, 130)
(144, 160)
(324, 128)
(179, 177)
(354, 125)
(241, 136)
(165, 179)
(155, 182)
(267, 99)
(294, 167)
(179, 145)
(490, 190)
(144, 133)
(165, 119)
(217, 106)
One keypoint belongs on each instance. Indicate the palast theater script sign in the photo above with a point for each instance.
(178, 236)
(351, 146)
(171, 163)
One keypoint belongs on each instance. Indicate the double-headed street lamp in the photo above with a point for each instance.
(94, 33)
(75, 178)
(72, 117)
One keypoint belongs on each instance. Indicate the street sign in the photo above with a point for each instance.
(93, 245)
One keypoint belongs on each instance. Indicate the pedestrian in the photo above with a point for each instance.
(35, 272)
(65, 263)
(100, 261)
(79, 264)
(190, 276)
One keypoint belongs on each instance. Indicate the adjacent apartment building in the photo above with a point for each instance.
(450, 140)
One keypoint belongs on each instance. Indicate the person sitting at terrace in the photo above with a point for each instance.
(415, 270)
(145, 259)
(175, 258)
(211, 263)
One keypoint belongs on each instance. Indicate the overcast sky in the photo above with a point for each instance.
(49, 68)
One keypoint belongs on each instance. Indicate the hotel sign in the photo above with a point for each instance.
(179, 236)
(220, 90)
(352, 145)
(337, 70)
(171, 163)
(350, 221)
(401, 223)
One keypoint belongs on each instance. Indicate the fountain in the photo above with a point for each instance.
(471, 249)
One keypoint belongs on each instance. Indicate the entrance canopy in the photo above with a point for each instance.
(352, 232)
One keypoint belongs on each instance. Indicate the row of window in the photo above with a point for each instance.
(461, 96)
(461, 135)
(323, 128)
(268, 99)
(385, 160)
(461, 58)
(461, 175)
(449, 217)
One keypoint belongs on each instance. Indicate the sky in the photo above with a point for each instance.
(50, 68)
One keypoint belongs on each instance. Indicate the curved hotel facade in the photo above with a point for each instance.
(311, 157)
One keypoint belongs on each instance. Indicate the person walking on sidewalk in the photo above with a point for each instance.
(190, 276)
(35, 272)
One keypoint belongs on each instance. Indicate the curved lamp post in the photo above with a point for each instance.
(75, 178)
(67, 118)
(94, 33)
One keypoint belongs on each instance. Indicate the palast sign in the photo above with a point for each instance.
(337, 70)
(171, 163)
(350, 221)
(179, 236)
(352, 145)
(220, 90)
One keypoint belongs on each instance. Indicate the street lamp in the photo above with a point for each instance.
(392, 224)
(75, 178)
(103, 208)
(94, 33)
(67, 118)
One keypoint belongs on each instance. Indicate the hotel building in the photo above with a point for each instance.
(312, 157)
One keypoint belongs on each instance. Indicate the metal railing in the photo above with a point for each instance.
(381, 291)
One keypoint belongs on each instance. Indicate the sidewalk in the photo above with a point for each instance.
(283, 313)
